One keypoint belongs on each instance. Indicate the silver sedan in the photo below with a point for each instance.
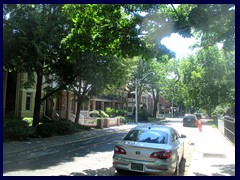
(152, 149)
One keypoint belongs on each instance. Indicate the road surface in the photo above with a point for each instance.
(92, 157)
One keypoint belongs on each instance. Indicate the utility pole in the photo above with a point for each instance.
(136, 101)
(172, 101)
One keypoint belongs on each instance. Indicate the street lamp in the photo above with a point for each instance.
(136, 94)
(172, 101)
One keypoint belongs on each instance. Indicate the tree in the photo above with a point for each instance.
(32, 35)
(100, 42)
(47, 39)
(208, 79)
(216, 22)
(157, 65)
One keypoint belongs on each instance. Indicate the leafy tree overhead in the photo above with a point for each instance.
(92, 48)
(208, 79)
(102, 35)
(216, 22)
(104, 29)
(155, 84)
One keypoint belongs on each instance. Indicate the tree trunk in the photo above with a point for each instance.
(139, 99)
(67, 108)
(78, 110)
(78, 102)
(155, 103)
(37, 106)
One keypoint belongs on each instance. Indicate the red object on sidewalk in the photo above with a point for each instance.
(199, 124)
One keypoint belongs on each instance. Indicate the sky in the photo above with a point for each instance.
(179, 45)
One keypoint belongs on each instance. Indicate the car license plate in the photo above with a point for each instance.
(135, 166)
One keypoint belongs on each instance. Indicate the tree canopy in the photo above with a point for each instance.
(102, 44)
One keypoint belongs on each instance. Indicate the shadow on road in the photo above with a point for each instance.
(97, 172)
(52, 156)
(112, 172)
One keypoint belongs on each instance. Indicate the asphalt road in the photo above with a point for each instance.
(92, 157)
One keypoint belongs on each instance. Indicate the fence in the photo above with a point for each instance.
(226, 125)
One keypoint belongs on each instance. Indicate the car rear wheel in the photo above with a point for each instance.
(176, 173)
(120, 171)
(182, 153)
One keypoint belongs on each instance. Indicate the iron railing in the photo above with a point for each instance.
(226, 126)
(229, 128)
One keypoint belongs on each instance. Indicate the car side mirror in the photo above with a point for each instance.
(183, 136)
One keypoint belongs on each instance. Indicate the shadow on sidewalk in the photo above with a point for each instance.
(225, 170)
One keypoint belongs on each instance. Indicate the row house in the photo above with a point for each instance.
(20, 101)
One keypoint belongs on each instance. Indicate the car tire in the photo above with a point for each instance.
(176, 173)
(183, 153)
(120, 171)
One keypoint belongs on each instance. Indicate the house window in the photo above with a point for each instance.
(28, 101)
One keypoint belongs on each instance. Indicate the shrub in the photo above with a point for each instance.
(64, 127)
(130, 120)
(94, 113)
(15, 129)
(103, 114)
(32, 132)
(46, 120)
(45, 130)
(116, 112)
(122, 120)
(220, 110)
(120, 112)
(111, 112)
(29, 120)
(79, 128)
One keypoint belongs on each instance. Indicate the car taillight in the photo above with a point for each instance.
(162, 154)
(119, 150)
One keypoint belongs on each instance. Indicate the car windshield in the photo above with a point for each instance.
(149, 136)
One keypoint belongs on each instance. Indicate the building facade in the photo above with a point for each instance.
(20, 101)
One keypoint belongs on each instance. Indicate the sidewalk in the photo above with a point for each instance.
(214, 155)
(34, 144)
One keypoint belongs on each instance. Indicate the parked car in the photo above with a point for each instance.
(153, 149)
(190, 120)
(201, 115)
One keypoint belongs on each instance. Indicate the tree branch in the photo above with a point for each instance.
(175, 10)
(53, 92)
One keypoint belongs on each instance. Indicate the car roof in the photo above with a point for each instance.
(162, 128)
(189, 115)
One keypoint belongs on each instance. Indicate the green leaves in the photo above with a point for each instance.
(216, 22)
(98, 28)
(99, 43)
(203, 77)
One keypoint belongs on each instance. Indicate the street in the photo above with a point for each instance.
(91, 157)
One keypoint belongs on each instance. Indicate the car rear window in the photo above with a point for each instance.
(147, 136)
(189, 117)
